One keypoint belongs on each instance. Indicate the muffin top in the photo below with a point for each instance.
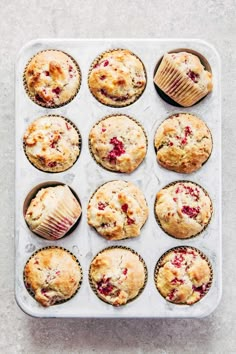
(183, 276)
(183, 143)
(118, 275)
(52, 212)
(117, 78)
(52, 275)
(52, 78)
(117, 210)
(191, 66)
(51, 144)
(183, 209)
(118, 143)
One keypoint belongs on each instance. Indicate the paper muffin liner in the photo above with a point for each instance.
(93, 287)
(177, 85)
(125, 238)
(204, 228)
(124, 104)
(79, 144)
(61, 221)
(158, 266)
(118, 115)
(42, 104)
(173, 115)
(31, 292)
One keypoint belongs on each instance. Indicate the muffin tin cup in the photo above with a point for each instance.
(117, 115)
(79, 145)
(169, 117)
(30, 291)
(93, 287)
(158, 266)
(42, 104)
(96, 61)
(86, 176)
(204, 228)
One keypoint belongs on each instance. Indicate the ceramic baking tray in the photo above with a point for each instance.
(85, 176)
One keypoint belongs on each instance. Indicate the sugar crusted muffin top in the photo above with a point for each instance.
(52, 275)
(117, 78)
(118, 275)
(118, 143)
(52, 143)
(183, 276)
(183, 143)
(53, 212)
(183, 209)
(52, 78)
(117, 210)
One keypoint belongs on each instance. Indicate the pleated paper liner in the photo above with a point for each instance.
(159, 265)
(93, 287)
(50, 169)
(116, 104)
(107, 238)
(41, 103)
(31, 292)
(32, 194)
(169, 117)
(204, 228)
(175, 87)
(118, 115)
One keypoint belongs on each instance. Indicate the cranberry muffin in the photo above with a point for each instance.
(52, 144)
(117, 275)
(183, 78)
(53, 212)
(183, 209)
(183, 275)
(52, 275)
(183, 143)
(117, 78)
(52, 78)
(118, 143)
(117, 210)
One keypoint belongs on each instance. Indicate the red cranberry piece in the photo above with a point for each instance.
(191, 212)
(193, 76)
(68, 126)
(187, 131)
(177, 281)
(56, 90)
(103, 130)
(102, 77)
(184, 141)
(39, 98)
(175, 199)
(124, 207)
(101, 206)
(43, 291)
(171, 295)
(130, 221)
(201, 289)
(170, 143)
(117, 150)
(58, 272)
(177, 261)
(125, 270)
(46, 73)
(52, 164)
(178, 190)
(70, 68)
(106, 62)
(36, 262)
(53, 145)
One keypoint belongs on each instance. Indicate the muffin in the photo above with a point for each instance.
(117, 210)
(52, 78)
(118, 143)
(183, 78)
(52, 275)
(52, 143)
(117, 78)
(117, 275)
(183, 143)
(183, 209)
(53, 212)
(183, 275)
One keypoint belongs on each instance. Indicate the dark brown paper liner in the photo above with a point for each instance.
(46, 185)
(158, 266)
(204, 228)
(42, 104)
(141, 260)
(79, 145)
(30, 291)
(97, 59)
(168, 79)
(118, 115)
(169, 117)
(123, 239)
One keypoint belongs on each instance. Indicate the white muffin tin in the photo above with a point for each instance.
(86, 176)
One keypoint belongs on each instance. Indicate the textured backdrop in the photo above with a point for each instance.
(21, 21)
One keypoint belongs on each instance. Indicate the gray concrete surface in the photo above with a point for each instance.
(20, 21)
